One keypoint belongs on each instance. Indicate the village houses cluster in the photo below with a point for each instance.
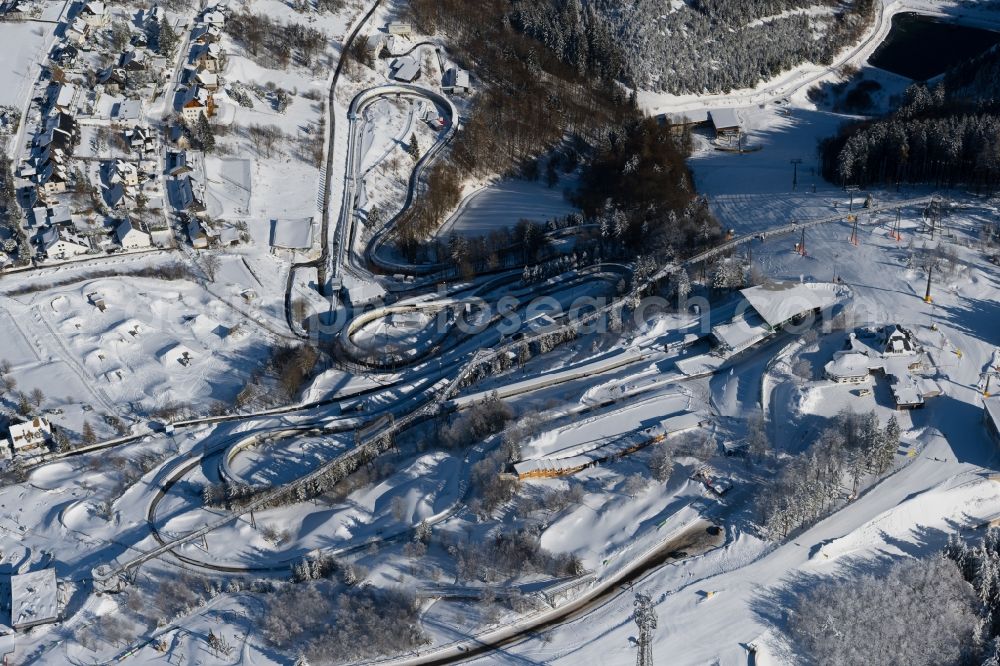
(103, 166)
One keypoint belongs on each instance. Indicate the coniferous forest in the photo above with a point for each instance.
(944, 136)
(701, 46)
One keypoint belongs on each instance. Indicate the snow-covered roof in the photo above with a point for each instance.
(28, 433)
(229, 235)
(405, 69)
(681, 422)
(214, 18)
(292, 234)
(114, 194)
(777, 302)
(724, 118)
(128, 109)
(374, 42)
(208, 79)
(79, 26)
(122, 169)
(52, 235)
(41, 215)
(127, 227)
(548, 466)
(848, 365)
(899, 341)
(907, 393)
(34, 598)
(96, 8)
(457, 77)
(742, 331)
(687, 117)
(67, 92)
(60, 215)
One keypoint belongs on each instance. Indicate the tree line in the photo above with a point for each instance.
(809, 486)
(947, 135)
(273, 43)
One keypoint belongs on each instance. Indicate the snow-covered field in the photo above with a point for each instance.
(24, 52)
(502, 205)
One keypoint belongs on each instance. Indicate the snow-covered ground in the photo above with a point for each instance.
(502, 205)
(158, 342)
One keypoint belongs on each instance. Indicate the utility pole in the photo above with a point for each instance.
(795, 172)
(927, 295)
(645, 619)
(852, 189)
(894, 234)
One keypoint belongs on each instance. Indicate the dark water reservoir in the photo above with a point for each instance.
(921, 47)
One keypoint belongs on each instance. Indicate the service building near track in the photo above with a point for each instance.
(34, 599)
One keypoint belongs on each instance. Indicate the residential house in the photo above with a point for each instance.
(208, 81)
(113, 79)
(40, 216)
(132, 60)
(200, 103)
(95, 14)
(131, 236)
(16, 10)
(65, 97)
(141, 140)
(65, 55)
(177, 164)
(30, 434)
(58, 243)
(898, 341)
(215, 18)
(196, 232)
(125, 173)
(207, 58)
(52, 179)
(60, 216)
(203, 34)
(181, 194)
(78, 31)
(115, 195)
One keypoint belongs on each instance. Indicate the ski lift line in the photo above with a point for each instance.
(783, 230)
